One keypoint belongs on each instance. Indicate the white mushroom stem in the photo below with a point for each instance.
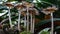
(27, 20)
(55, 32)
(31, 26)
(19, 19)
(33, 23)
(52, 24)
(10, 18)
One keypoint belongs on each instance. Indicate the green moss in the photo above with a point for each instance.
(25, 32)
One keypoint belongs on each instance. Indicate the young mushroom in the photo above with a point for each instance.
(27, 5)
(19, 7)
(33, 12)
(10, 6)
(50, 10)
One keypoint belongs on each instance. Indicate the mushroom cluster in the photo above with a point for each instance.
(26, 9)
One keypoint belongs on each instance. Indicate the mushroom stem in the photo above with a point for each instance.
(27, 20)
(52, 24)
(55, 32)
(31, 23)
(10, 18)
(19, 14)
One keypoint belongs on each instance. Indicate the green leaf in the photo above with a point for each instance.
(43, 32)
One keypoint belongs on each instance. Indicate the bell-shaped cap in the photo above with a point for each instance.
(19, 6)
(23, 13)
(49, 10)
(27, 4)
(9, 4)
(32, 11)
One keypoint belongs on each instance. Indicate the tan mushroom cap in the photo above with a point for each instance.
(31, 11)
(27, 4)
(9, 4)
(23, 13)
(49, 10)
(19, 6)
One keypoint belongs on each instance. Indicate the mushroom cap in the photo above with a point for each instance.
(23, 13)
(32, 11)
(53, 8)
(49, 10)
(9, 4)
(46, 12)
(19, 6)
(27, 4)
